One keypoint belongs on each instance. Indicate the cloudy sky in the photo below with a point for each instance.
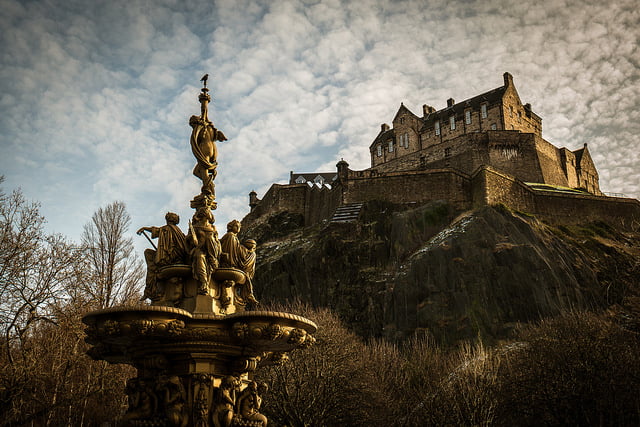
(95, 95)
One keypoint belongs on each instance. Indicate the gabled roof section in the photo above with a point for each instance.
(583, 157)
(403, 110)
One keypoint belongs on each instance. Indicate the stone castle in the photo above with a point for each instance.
(485, 150)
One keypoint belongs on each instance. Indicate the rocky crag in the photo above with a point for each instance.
(403, 269)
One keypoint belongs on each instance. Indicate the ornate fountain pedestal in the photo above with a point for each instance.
(193, 369)
(195, 347)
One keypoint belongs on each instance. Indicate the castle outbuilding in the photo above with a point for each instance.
(487, 149)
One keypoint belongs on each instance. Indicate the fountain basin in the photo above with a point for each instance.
(144, 336)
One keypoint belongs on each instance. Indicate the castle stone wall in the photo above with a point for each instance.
(279, 198)
(551, 163)
(416, 186)
(486, 186)
(493, 187)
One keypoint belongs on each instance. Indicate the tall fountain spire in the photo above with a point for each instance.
(197, 344)
(203, 146)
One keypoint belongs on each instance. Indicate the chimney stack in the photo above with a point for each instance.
(450, 102)
(508, 79)
(384, 127)
(427, 109)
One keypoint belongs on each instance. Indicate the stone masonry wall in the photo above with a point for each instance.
(487, 186)
(494, 187)
(416, 186)
(510, 151)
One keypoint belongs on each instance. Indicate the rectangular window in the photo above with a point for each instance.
(437, 125)
(483, 111)
(379, 150)
(406, 140)
(467, 117)
(391, 146)
(452, 122)
(447, 153)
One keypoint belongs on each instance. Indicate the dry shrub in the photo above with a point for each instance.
(580, 369)
(324, 385)
(454, 387)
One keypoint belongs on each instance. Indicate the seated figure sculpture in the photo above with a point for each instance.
(172, 249)
(241, 256)
(249, 402)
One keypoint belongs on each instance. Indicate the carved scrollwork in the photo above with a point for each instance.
(142, 326)
(172, 327)
(308, 341)
(111, 327)
(175, 327)
(297, 336)
(273, 331)
(248, 364)
(240, 330)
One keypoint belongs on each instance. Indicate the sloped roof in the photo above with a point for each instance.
(490, 97)
(383, 136)
(402, 109)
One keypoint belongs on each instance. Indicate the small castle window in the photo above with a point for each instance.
(467, 117)
(510, 111)
(519, 117)
(391, 146)
(452, 122)
(437, 127)
(401, 120)
(494, 126)
(379, 147)
(447, 153)
(483, 111)
(404, 140)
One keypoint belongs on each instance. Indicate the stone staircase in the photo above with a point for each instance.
(347, 213)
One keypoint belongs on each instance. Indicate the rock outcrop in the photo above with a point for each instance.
(402, 269)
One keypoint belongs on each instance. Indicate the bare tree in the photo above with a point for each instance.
(114, 272)
(35, 270)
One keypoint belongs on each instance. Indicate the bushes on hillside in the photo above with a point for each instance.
(579, 369)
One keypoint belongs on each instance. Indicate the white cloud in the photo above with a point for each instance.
(94, 100)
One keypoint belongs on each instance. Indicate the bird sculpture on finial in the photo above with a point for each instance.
(204, 79)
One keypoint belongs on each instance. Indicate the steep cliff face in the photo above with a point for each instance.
(399, 269)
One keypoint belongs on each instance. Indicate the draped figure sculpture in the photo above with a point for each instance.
(241, 256)
(205, 247)
(172, 249)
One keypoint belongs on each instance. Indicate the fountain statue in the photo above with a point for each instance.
(198, 342)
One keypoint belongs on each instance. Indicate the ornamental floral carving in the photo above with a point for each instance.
(297, 336)
(273, 331)
(240, 330)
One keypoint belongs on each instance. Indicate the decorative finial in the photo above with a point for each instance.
(204, 80)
